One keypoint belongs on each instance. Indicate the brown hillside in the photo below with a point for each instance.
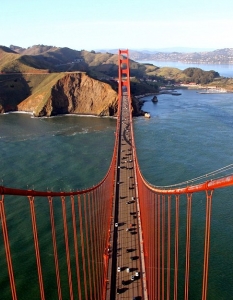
(71, 93)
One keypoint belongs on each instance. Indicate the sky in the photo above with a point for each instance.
(121, 24)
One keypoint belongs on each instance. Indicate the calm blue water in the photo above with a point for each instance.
(54, 153)
(191, 134)
(223, 70)
(186, 136)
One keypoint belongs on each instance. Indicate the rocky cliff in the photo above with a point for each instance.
(73, 93)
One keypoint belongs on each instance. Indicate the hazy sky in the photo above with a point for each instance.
(108, 24)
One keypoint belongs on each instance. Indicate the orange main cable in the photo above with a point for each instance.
(76, 246)
(36, 244)
(7, 249)
(55, 247)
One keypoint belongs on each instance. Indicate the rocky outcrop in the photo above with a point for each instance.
(137, 105)
(73, 93)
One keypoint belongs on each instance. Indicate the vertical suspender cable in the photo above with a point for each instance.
(176, 248)
(87, 244)
(188, 229)
(92, 245)
(158, 255)
(76, 246)
(168, 245)
(156, 245)
(102, 224)
(154, 229)
(7, 248)
(67, 246)
(107, 236)
(95, 221)
(55, 247)
(150, 242)
(36, 244)
(163, 245)
(102, 239)
(207, 243)
(82, 245)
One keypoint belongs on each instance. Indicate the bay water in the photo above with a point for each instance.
(187, 136)
(60, 153)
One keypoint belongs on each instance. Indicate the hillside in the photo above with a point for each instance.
(56, 59)
(12, 62)
(34, 50)
(96, 64)
(48, 59)
(57, 93)
(29, 76)
(64, 93)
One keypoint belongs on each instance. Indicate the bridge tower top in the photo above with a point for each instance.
(124, 76)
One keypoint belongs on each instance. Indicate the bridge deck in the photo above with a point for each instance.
(127, 283)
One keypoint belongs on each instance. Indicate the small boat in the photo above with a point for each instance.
(147, 115)
(213, 91)
(154, 99)
(176, 93)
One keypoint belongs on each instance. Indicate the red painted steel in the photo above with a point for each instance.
(7, 248)
(37, 249)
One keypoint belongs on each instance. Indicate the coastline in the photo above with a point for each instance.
(61, 115)
(168, 90)
(17, 112)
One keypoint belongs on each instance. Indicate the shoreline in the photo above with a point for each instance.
(217, 90)
(60, 115)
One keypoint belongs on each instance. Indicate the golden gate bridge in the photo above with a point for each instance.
(120, 239)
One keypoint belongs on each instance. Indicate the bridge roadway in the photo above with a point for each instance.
(126, 280)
